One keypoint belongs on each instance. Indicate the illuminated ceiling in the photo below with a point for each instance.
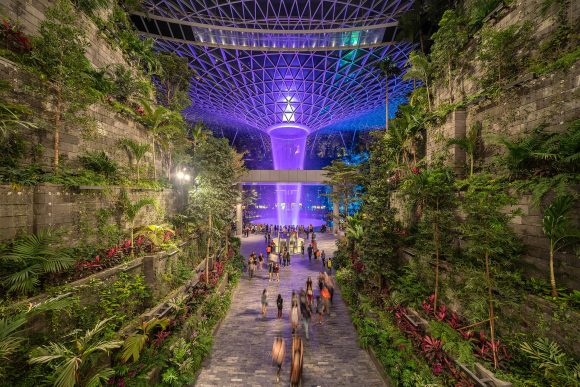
(263, 63)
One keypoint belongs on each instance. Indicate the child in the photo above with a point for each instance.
(277, 271)
(279, 303)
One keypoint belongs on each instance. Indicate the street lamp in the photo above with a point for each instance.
(182, 176)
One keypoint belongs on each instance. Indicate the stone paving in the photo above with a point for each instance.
(243, 343)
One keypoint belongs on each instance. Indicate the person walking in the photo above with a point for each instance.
(309, 249)
(294, 316)
(280, 304)
(329, 265)
(323, 259)
(319, 309)
(288, 256)
(277, 271)
(325, 294)
(309, 291)
(278, 352)
(316, 254)
(264, 302)
(260, 261)
(305, 312)
(251, 266)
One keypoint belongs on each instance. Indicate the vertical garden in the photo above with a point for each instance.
(106, 192)
(462, 262)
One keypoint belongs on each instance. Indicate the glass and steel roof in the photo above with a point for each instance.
(263, 63)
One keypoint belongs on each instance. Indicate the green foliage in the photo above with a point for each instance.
(502, 52)
(100, 163)
(126, 87)
(421, 69)
(58, 56)
(76, 364)
(138, 151)
(122, 300)
(29, 259)
(448, 42)
(559, 230)
(470, 144)
(174, 81)
(134, 343)
(11, 116)
(344, 179)
(91, 6)
(453, 343)
(479, 10)
(557, 367)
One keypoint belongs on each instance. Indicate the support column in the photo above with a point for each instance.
(335, 215)
(239, 214)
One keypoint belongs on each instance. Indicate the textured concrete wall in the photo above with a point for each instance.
(552, 100)
(74, 212)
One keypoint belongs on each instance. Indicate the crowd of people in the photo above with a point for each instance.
(307, 306)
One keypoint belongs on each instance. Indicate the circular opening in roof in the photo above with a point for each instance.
(288, 132)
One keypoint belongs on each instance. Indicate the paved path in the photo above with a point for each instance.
(243, 343)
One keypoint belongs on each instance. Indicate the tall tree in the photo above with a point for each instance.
(559, 230)
(138, 151)
(163, 125)
(448, 43)
(174, 81)
(343, 178)
(420, 68)
(487, 230)
(389, 69)
(59, 56)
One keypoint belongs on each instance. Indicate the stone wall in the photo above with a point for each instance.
(552, 100)
(29, 14)
(73, 211)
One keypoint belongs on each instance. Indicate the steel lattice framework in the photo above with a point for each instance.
(263, 63)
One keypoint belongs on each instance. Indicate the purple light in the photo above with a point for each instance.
(288, 150)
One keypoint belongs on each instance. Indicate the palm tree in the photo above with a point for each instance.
(132, 210)
(389, 68)
(161, 122)
(420, 69)
(11, 327)
(32, 256)
(559, 230)
(134, 344)
(469, 145)
(76, 364)
(137, 150)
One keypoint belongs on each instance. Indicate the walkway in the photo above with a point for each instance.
(243, 343)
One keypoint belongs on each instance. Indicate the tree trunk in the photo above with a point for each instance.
(154, 166)
(471, 157)
(137, 166)
(207, 253)
(132, 237)
(437, 242)
(387, 106)
(491, 314)
(428, 94)
(552, 275)
(422, 41)
(450, 83)
(57, 125)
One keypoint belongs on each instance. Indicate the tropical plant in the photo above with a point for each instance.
(12, 336)
(11, 116)
(174, 81)
(559, 230)
(157, 234)
(419, 68)
(550, 358)
(448, 44)
(99, 162)
(59, 57)
(31, 257)
(343, 178)
(76, 364)
(488, 232)
(389, 68)
(163, 124)
(431, 191)
(134, 343)
(132, 209)
(90, 6)
(469, 145)
(137, 150)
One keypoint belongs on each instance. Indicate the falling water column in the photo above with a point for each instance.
(288, 151)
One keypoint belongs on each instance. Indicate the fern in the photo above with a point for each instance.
(553, 361)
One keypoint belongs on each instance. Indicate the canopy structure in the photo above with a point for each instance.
(287, 70)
